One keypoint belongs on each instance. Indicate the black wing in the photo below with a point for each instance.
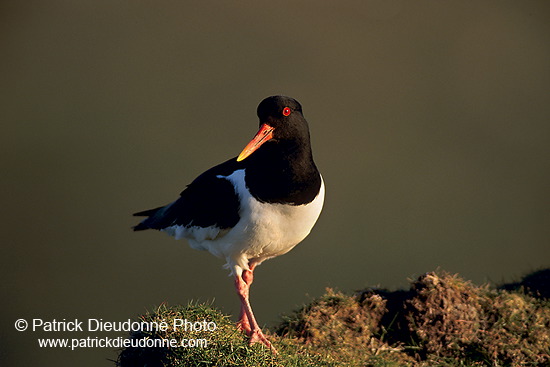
(207, 201)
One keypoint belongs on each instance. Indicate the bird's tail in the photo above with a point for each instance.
(145, 224)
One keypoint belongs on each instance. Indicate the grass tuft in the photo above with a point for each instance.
(225, 346)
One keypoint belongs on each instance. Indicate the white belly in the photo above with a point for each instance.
(264, 230)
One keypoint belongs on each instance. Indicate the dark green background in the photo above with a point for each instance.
(430, 122)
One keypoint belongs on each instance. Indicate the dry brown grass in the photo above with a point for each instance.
(455, 320)
(443, 320)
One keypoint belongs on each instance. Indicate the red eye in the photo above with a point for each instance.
(286, 111)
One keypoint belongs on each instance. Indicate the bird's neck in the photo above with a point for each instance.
(283, 174)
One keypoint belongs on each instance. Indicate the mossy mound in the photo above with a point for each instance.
(442, 320)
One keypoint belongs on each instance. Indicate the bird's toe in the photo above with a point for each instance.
(257, 336)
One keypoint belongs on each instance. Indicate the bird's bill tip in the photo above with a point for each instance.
(264, 134)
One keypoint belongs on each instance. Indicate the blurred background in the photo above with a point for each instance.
(430, 122)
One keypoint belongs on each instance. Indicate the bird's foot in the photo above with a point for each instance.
(258, 336)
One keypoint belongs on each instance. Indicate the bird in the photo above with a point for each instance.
(253, 207)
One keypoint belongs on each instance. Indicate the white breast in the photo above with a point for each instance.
(264, 230)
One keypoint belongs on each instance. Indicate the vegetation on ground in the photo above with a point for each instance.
(442, 320)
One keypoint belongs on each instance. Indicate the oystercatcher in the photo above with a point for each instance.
(253, 207)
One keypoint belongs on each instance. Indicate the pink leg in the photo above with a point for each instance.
(244, 322)
(247, 321)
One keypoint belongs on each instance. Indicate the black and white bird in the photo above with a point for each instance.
(254, 207)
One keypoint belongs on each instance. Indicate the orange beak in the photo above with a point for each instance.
(264, 134)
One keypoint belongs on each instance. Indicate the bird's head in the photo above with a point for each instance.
(281, 119)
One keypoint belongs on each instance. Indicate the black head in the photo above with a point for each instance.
(281, 121)
(276, 108)
(285, 115)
